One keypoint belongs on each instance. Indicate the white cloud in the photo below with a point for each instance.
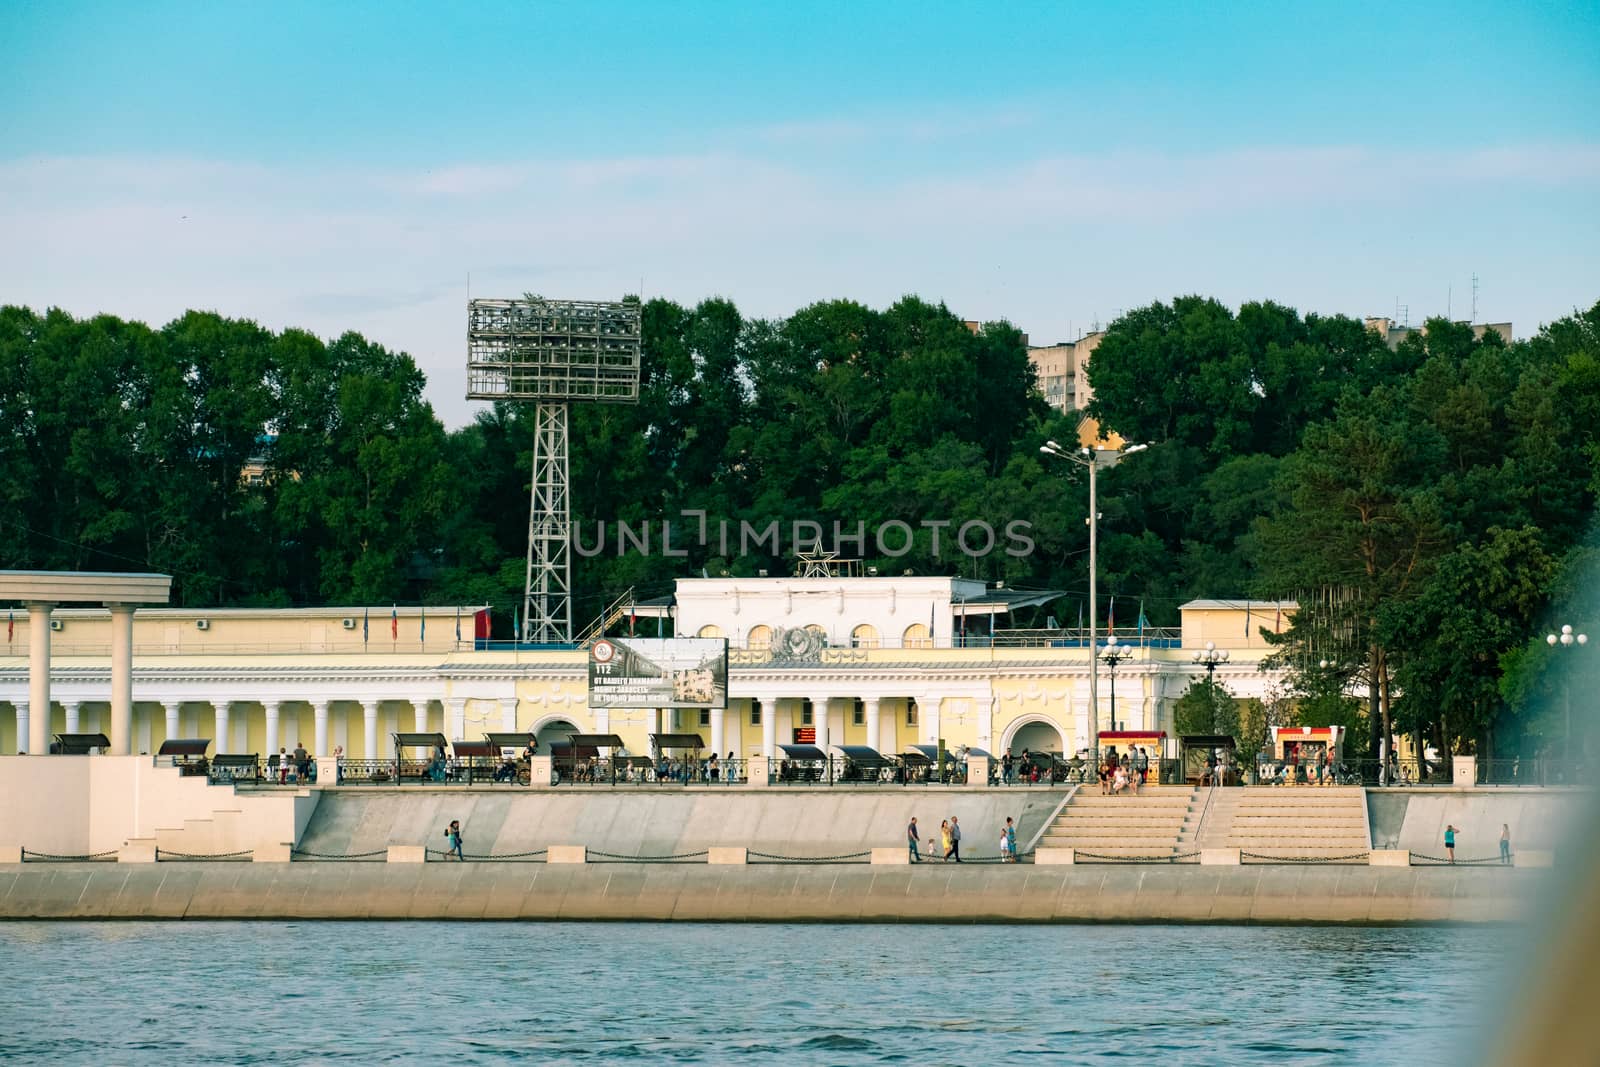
(1048, 242)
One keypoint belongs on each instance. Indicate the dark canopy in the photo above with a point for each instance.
(803, 752)
(80, 744)
(508, 738)
(595, 740)
(404, 740)
(476, 749)
(864, 755)
(666, 741)
(221, 761)
(184, 746)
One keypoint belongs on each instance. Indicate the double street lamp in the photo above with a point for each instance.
(1091, 459)
(1567, 639)
(1113, 655)
(1209, 657)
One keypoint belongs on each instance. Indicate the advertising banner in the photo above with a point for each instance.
(672, 672)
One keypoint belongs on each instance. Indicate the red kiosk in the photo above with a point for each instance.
(1129, 742)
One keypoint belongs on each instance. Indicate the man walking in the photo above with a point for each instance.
(955, 839)
(912, 840)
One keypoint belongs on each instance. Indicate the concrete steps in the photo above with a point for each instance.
(1287, 823)
(1145, 825)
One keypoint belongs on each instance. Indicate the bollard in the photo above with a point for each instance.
(407, 854)
(541, 771)
(1219, 857)
(1389, 857)
(137, 851)
(10, 853)
(891, 857)
(327, 771)
(272, 853)
(567, 854)
(1045, 856)
(731, 856)
(978, 771)
(756, 773)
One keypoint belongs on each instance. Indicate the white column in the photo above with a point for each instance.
(369, 710)
(121, 679)
(928, 715)
(508, 714)
(71, 709)
(319, 716)
(717, 715)
(870, 704)
(769, 727)
(272, 707)
(22, 727)
(419, 715)
(819, 720)
(224, 743)
(173, 708)
(35, 739)
(455, 719)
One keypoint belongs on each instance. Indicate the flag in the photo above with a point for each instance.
(364, 625)
(1277, 620)
(516, 625)
(11, 625)
(423, 628)
(1111, 617)
(1143, 622)
(458, 624)
(1247, 620)
(394, 622)
(633, 617)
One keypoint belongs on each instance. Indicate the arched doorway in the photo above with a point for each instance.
(552, 730)
(1035, 735)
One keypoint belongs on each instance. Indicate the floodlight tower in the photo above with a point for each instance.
(551, 353)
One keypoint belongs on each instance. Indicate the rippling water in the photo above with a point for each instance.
(471, 993)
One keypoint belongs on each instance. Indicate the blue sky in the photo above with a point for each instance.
(348, 166)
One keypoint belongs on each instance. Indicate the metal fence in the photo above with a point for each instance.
(1533, 772)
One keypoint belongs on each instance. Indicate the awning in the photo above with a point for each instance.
(477, 750)
(566, 750)
(595, 740)
(184, 746)
(864, 756)
(402, 740)
(1207, 741)
(803, 752)
(1002, 601)
(80, 744)
(666, 741)
(233, 761)
(507, 739)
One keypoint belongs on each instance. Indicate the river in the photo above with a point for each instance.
(480, 993)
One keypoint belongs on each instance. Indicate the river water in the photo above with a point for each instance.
(479, 993)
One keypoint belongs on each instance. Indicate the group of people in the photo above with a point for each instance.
(293, 767)
(1313, 768)
(1124, 773)
(949, 842)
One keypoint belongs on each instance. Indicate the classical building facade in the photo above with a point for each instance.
(886, 662)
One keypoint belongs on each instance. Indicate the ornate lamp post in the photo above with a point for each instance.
(1567, 639)
(1113, 655)
(1208, 658)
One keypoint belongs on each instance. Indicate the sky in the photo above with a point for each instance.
(368, 166)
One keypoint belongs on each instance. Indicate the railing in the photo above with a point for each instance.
(1533, 772)
(1364, 772)
(265, 772)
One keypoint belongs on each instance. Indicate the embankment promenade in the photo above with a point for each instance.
(944, 893)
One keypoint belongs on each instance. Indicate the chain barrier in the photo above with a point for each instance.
(612, 857)
(1100, 857)
(366, 857)
(165, 854)
(1304, 859)
(846, 857)
(29, 856)
(1446, 861)
(475, 857)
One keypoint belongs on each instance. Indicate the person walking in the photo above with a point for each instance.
(1505, 844)
(1142, 762)
(453, 836)
(955, 839)
(944, 837)
(913, 839)
(1011, 840)
(1450, 843)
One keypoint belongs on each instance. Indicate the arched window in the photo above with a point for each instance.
(710, 630)
(760, 637)
(864, 636)
(917, 636)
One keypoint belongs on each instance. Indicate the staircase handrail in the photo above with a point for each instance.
(611, 614)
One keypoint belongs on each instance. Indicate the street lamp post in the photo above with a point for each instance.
(1113, 655)
(1567, 639)
(1208, 658)
(1090, 458)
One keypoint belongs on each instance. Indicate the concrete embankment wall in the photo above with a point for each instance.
(1415, 819)
(640, 822)
(771, 893)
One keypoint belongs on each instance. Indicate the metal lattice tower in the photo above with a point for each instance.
(551, 352)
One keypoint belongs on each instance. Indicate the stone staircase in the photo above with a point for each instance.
(1148, 825)
(1285, 822)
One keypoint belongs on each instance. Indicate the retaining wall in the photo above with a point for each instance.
(774, 893)
(1415, 818)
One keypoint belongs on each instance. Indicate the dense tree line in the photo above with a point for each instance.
(1428, 505)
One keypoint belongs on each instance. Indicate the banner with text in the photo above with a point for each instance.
(672, 672)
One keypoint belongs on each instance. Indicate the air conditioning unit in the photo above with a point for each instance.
(202, 624)
(57, 625)
(349, 624)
